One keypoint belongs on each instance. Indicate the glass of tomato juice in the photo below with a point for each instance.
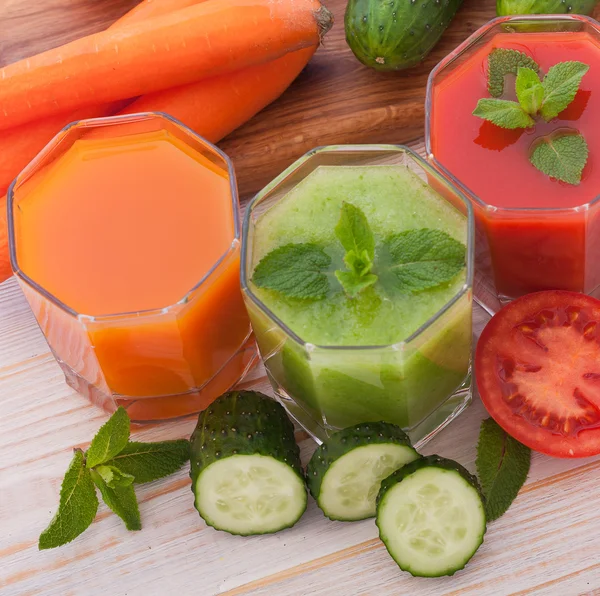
(533, 232)
(125, 238)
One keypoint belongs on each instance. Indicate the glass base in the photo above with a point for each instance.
(419, 434)
(168, 407)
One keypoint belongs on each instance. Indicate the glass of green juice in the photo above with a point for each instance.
(393, 341)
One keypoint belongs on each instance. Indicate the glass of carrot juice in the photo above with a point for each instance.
(534, 231)
(125, 238)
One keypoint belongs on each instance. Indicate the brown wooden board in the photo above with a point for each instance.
(335, 100)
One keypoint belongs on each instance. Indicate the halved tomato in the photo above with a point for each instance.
(537, 367)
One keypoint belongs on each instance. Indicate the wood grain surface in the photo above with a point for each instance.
(335, 100)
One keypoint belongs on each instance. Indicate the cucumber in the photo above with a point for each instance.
(396, 34)
(245, 466)
(431, 516)
(509, 7)
(345, 472)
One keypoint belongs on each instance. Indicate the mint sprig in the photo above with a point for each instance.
(411, 261)
(560, 87)
(502, 466)
(502, 62)
(112, 464)
(562, 157)
(356, 236)
(530, 91)
(503, 113)
(423, 259)
(78, 505)
(295, 270)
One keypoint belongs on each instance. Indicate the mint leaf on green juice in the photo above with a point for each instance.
(355, 234)
(502, 62)
(120, 499)
(414, 260)
(503, 113)
(147, 462)
(110, 439)
(295, 270)
(530, 91)
(77, 508)
(502, 466)
(560, 87)
(115, 464)
(562, 157)
(423, 259)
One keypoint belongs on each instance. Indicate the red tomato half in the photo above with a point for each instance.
(537, 367)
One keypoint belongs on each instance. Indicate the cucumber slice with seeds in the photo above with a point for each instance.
(245, 466)
(345, 472)
(431, 517)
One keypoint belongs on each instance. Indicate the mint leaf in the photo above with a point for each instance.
(562, 157)
(502, 62)
(423, 259)
(147, 462)
(502, 466)
(359, 264)
(353, 284)
(121, 500)
(560, 87)
(113, 476)
(295, 270)
(354, 232)
(530, 91)
(77, 508)
(109, 440)
(503, 113)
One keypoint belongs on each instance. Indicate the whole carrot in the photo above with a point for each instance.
(199, 41)
(148, 9)
(217, 106)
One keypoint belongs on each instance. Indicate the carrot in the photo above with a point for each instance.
(215, 107)
(199, 41)
(148, 9)
(20, 144)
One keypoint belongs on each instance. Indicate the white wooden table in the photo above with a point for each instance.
(547, 543)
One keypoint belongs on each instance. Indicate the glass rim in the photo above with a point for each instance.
(451, 57)
(422, 163)
(106, 121)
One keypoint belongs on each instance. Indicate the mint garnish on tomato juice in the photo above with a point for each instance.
(409, 262)
(562, 155)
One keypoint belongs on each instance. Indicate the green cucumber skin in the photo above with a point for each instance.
(510, 7)
(434, 461)
(344, 441)
(396, 34)
(243, 423)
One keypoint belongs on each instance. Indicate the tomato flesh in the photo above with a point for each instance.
(537, 367)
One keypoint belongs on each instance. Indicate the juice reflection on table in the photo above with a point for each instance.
(536, 233)
(113, 231)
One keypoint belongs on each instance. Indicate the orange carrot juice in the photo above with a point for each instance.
(125, 240)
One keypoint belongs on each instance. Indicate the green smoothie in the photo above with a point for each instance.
(400, 382)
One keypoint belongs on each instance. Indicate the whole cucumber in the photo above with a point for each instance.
(396, 34)
(508, 7)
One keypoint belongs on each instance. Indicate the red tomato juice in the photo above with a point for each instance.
(541, 233)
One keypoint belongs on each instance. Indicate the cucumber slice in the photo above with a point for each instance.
(431, 516)
(345, 472)
(245, 466)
